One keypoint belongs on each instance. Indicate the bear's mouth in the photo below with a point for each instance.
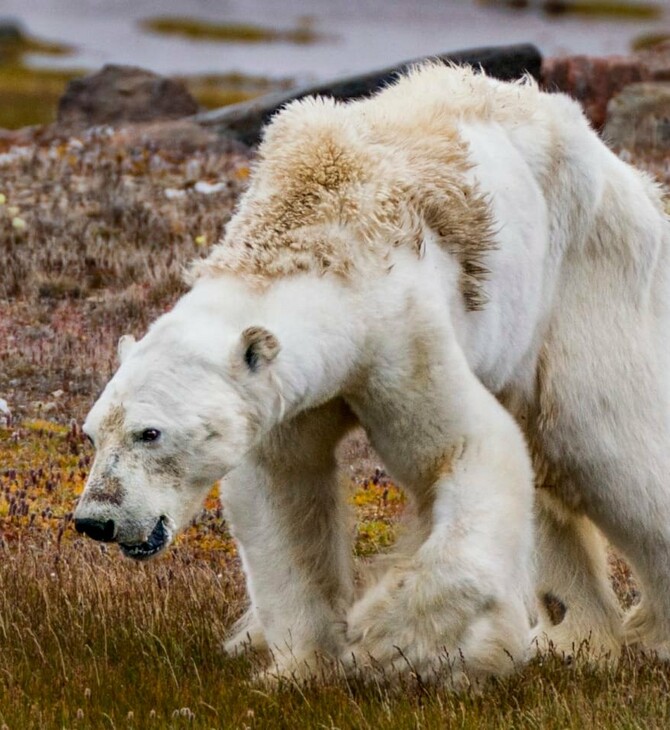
(157, 541)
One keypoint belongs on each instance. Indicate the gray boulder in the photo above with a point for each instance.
(120, 94)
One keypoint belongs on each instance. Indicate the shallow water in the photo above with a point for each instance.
(359, 34)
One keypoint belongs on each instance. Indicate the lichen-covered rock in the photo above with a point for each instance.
(119, 94)
(593, 81)
(639, 116)
(657, 60)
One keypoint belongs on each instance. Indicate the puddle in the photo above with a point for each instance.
(350, 35)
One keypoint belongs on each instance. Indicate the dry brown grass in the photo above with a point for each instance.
(90, 641)
(93, 247)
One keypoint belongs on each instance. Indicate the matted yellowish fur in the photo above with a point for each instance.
(341, 183)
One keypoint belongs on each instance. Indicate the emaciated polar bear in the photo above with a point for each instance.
(463, 268)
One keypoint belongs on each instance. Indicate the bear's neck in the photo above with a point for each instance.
(317, 321)
(321, 331)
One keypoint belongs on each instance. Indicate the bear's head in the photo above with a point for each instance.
(186, 405)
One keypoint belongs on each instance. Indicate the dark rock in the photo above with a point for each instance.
(11, 31)
(119, 94)
(244, 121)
(640, 117)
(12, 37)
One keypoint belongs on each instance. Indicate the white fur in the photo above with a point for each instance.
(572, 339)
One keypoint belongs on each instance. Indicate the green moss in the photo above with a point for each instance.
(30, 95)
(213, 91)
(202, 30)
(649, 40)
(374, 535)
(12, 48)
(613, 9)
(603, 9)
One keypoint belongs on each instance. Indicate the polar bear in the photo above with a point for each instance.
(460, 266)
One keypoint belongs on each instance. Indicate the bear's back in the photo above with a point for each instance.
(336, 185)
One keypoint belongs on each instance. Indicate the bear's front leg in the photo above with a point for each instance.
(288, 514)
(459, 606)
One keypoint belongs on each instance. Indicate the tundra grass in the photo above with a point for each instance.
(648, 41)
(94, 233)
(212, 91)
(13, 46)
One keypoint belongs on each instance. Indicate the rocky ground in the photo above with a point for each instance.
(95, 229)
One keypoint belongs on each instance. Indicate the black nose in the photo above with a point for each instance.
(103, 531)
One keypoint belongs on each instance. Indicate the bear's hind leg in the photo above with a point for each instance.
(624, 490)
(632, 507)
(605, 415)
(579, 612)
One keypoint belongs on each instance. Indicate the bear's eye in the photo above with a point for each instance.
(149, 435)
(90, 440)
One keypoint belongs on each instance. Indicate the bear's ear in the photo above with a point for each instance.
(259, 347)
(124, 346)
